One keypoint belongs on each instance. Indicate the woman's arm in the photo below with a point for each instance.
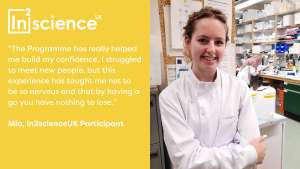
(247, 124)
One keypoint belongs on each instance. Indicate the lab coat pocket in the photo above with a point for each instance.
(226, 130)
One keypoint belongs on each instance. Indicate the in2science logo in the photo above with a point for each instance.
(19, 23)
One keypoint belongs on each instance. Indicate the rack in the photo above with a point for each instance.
(243, 33)
(275, 29)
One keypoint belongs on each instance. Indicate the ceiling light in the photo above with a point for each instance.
(245, 4)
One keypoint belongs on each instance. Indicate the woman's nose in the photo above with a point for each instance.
(211, 48)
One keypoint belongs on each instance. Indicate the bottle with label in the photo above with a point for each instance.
(266, 101)
(254, 99)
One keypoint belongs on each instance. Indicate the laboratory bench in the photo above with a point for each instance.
(291, 96)
(295, 79)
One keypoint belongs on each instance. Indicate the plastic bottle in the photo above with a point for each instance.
(266, 97)
(254, 99)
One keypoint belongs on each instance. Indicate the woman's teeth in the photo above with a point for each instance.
(209, 58)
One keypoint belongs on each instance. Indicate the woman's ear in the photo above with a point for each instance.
(187, 43)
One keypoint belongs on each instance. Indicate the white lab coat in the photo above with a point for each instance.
(246, 72)
(208, 125)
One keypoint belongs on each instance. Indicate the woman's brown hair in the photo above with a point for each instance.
(206, 12)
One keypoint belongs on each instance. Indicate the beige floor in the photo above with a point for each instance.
(292, 144)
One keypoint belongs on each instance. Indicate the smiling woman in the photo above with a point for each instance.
(205, 37)
(207, 115)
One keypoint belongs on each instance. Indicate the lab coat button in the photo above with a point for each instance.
(204, 142)
(203, 113)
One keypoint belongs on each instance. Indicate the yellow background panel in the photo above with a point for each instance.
(123, 23)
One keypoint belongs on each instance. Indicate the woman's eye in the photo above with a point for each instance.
(202, 40)
(219, 42)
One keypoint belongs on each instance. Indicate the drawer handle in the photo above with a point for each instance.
(153, 154)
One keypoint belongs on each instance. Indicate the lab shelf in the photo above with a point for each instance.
(289, 26)
(289, 12)
(268, 17)
(287, 54)
(243, 33)
(287, 40)
(264, 42)
(264, 18)
(264, 30)
(278, 78)
(243, 43)
(244, 23)
(272, 17)
(240, 1)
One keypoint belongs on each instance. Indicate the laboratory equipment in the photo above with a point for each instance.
(257, 48)
(270, 24)
(297, 18)
(254, 99)
(279, 23)
(248, 28)
(288, 20)
(296, 48)
(266, 101)
(260, 14)
(259, 26)
(249, 14)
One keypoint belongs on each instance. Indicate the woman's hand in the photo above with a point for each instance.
(260, 149)
(259, 71)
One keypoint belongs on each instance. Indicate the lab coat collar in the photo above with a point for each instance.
(197, 84)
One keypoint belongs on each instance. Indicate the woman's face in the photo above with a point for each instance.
(207, 45)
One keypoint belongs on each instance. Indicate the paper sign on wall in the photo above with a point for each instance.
(181, 67)
(167, 18)
(226, 7)
(180, 11)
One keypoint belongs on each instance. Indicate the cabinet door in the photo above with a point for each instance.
(292, 86)
(291, 102)
(274, 143)
(154, 134)
(155, 157)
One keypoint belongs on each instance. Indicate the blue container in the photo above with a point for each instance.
(278, 48)
(286, 48)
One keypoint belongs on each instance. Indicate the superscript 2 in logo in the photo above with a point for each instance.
(19, 23)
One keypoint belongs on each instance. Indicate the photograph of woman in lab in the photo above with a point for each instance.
(208, 116)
